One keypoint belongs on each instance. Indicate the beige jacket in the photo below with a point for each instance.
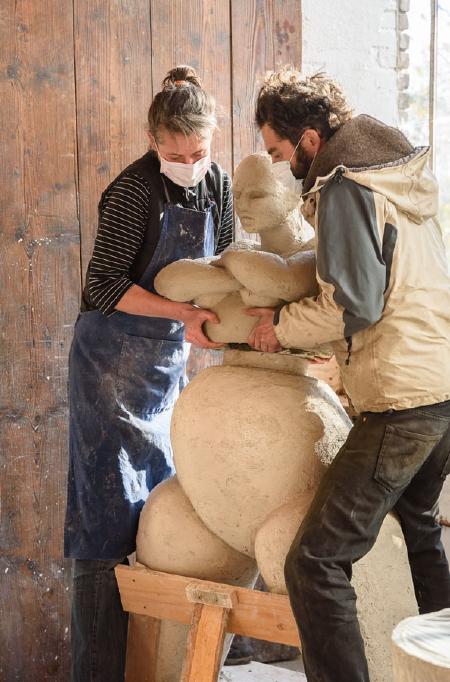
(384, 300)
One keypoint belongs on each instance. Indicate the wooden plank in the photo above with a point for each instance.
(266, 35)
(142, 649)
(161, 595)
(205, 643)
(40, 287)
(197, 33)
(114, 91)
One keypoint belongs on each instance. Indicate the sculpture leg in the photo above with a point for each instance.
(381, 580)
(173, 539)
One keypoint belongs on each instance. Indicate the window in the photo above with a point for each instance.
(425, 102)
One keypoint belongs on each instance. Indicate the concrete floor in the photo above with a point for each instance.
(262, 672)
(290, 671)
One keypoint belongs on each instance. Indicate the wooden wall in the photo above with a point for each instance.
(76, 79)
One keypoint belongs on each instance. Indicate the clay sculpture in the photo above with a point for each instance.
(252, 438)
(278, 270)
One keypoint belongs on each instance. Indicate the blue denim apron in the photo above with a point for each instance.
(125, 374)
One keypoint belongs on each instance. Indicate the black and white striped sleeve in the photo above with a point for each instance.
(226, 230)
(122, 224)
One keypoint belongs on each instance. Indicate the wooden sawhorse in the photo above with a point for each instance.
(211, 609)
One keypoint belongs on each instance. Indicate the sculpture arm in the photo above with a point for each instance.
(266, 274)
(186, 280)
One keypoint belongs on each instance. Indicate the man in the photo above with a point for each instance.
(384, 304)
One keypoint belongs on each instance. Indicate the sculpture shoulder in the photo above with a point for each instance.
(185, 280)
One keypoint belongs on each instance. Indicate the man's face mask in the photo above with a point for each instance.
(283, 173)
(302, 163)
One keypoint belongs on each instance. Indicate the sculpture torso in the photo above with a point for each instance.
(279, 269)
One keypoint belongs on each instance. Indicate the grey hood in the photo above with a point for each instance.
(380, 158)
(362, 142)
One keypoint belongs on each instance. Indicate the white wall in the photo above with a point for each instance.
(355, 41)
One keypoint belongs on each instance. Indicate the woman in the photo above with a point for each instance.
(127, 361)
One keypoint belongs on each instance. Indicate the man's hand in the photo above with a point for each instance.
(263, 336)
(193, 319)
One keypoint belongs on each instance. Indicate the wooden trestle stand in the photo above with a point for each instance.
(211, 609)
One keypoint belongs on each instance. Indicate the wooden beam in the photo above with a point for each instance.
(39, 301)
(113, 46)
(266, 34)
(198, 33)
(162, 595)
(205, 643)
(197, 593)
(142, 649)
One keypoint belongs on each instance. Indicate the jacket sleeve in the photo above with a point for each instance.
(351, 271)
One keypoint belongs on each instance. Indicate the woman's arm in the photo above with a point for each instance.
(122, 224)
(139, 301)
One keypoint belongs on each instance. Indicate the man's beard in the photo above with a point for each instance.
(300, 164)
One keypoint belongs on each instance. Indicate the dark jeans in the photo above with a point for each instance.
(390, 461)
(99, 625)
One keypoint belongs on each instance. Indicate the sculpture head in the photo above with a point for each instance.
(261, 202)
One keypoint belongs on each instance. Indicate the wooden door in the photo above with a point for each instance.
(77, 77)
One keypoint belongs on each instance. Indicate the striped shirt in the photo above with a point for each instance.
(123, 222)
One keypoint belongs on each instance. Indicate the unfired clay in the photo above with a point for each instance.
(252, 438)
(271, 439)
(206, 555)
(381, 579)
(173, 539)
(279, 270)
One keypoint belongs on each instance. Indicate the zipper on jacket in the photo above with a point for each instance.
(349, 340)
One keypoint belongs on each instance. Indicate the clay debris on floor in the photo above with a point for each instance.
(260, 672)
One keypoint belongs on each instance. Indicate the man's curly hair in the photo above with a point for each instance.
(290, 102)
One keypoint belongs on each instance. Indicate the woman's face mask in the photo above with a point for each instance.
(184, 174)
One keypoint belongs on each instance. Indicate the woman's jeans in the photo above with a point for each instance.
(395, 460)
(99, 625)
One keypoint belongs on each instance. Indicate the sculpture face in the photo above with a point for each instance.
(261, 202)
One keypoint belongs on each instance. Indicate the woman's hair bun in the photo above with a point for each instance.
(182, 106)
(180, 75)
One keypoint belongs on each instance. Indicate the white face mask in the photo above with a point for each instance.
(186, 174)
(283, 173)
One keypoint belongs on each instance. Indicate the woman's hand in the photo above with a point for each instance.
(263, 336)
(139, 301)
(194, 319)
